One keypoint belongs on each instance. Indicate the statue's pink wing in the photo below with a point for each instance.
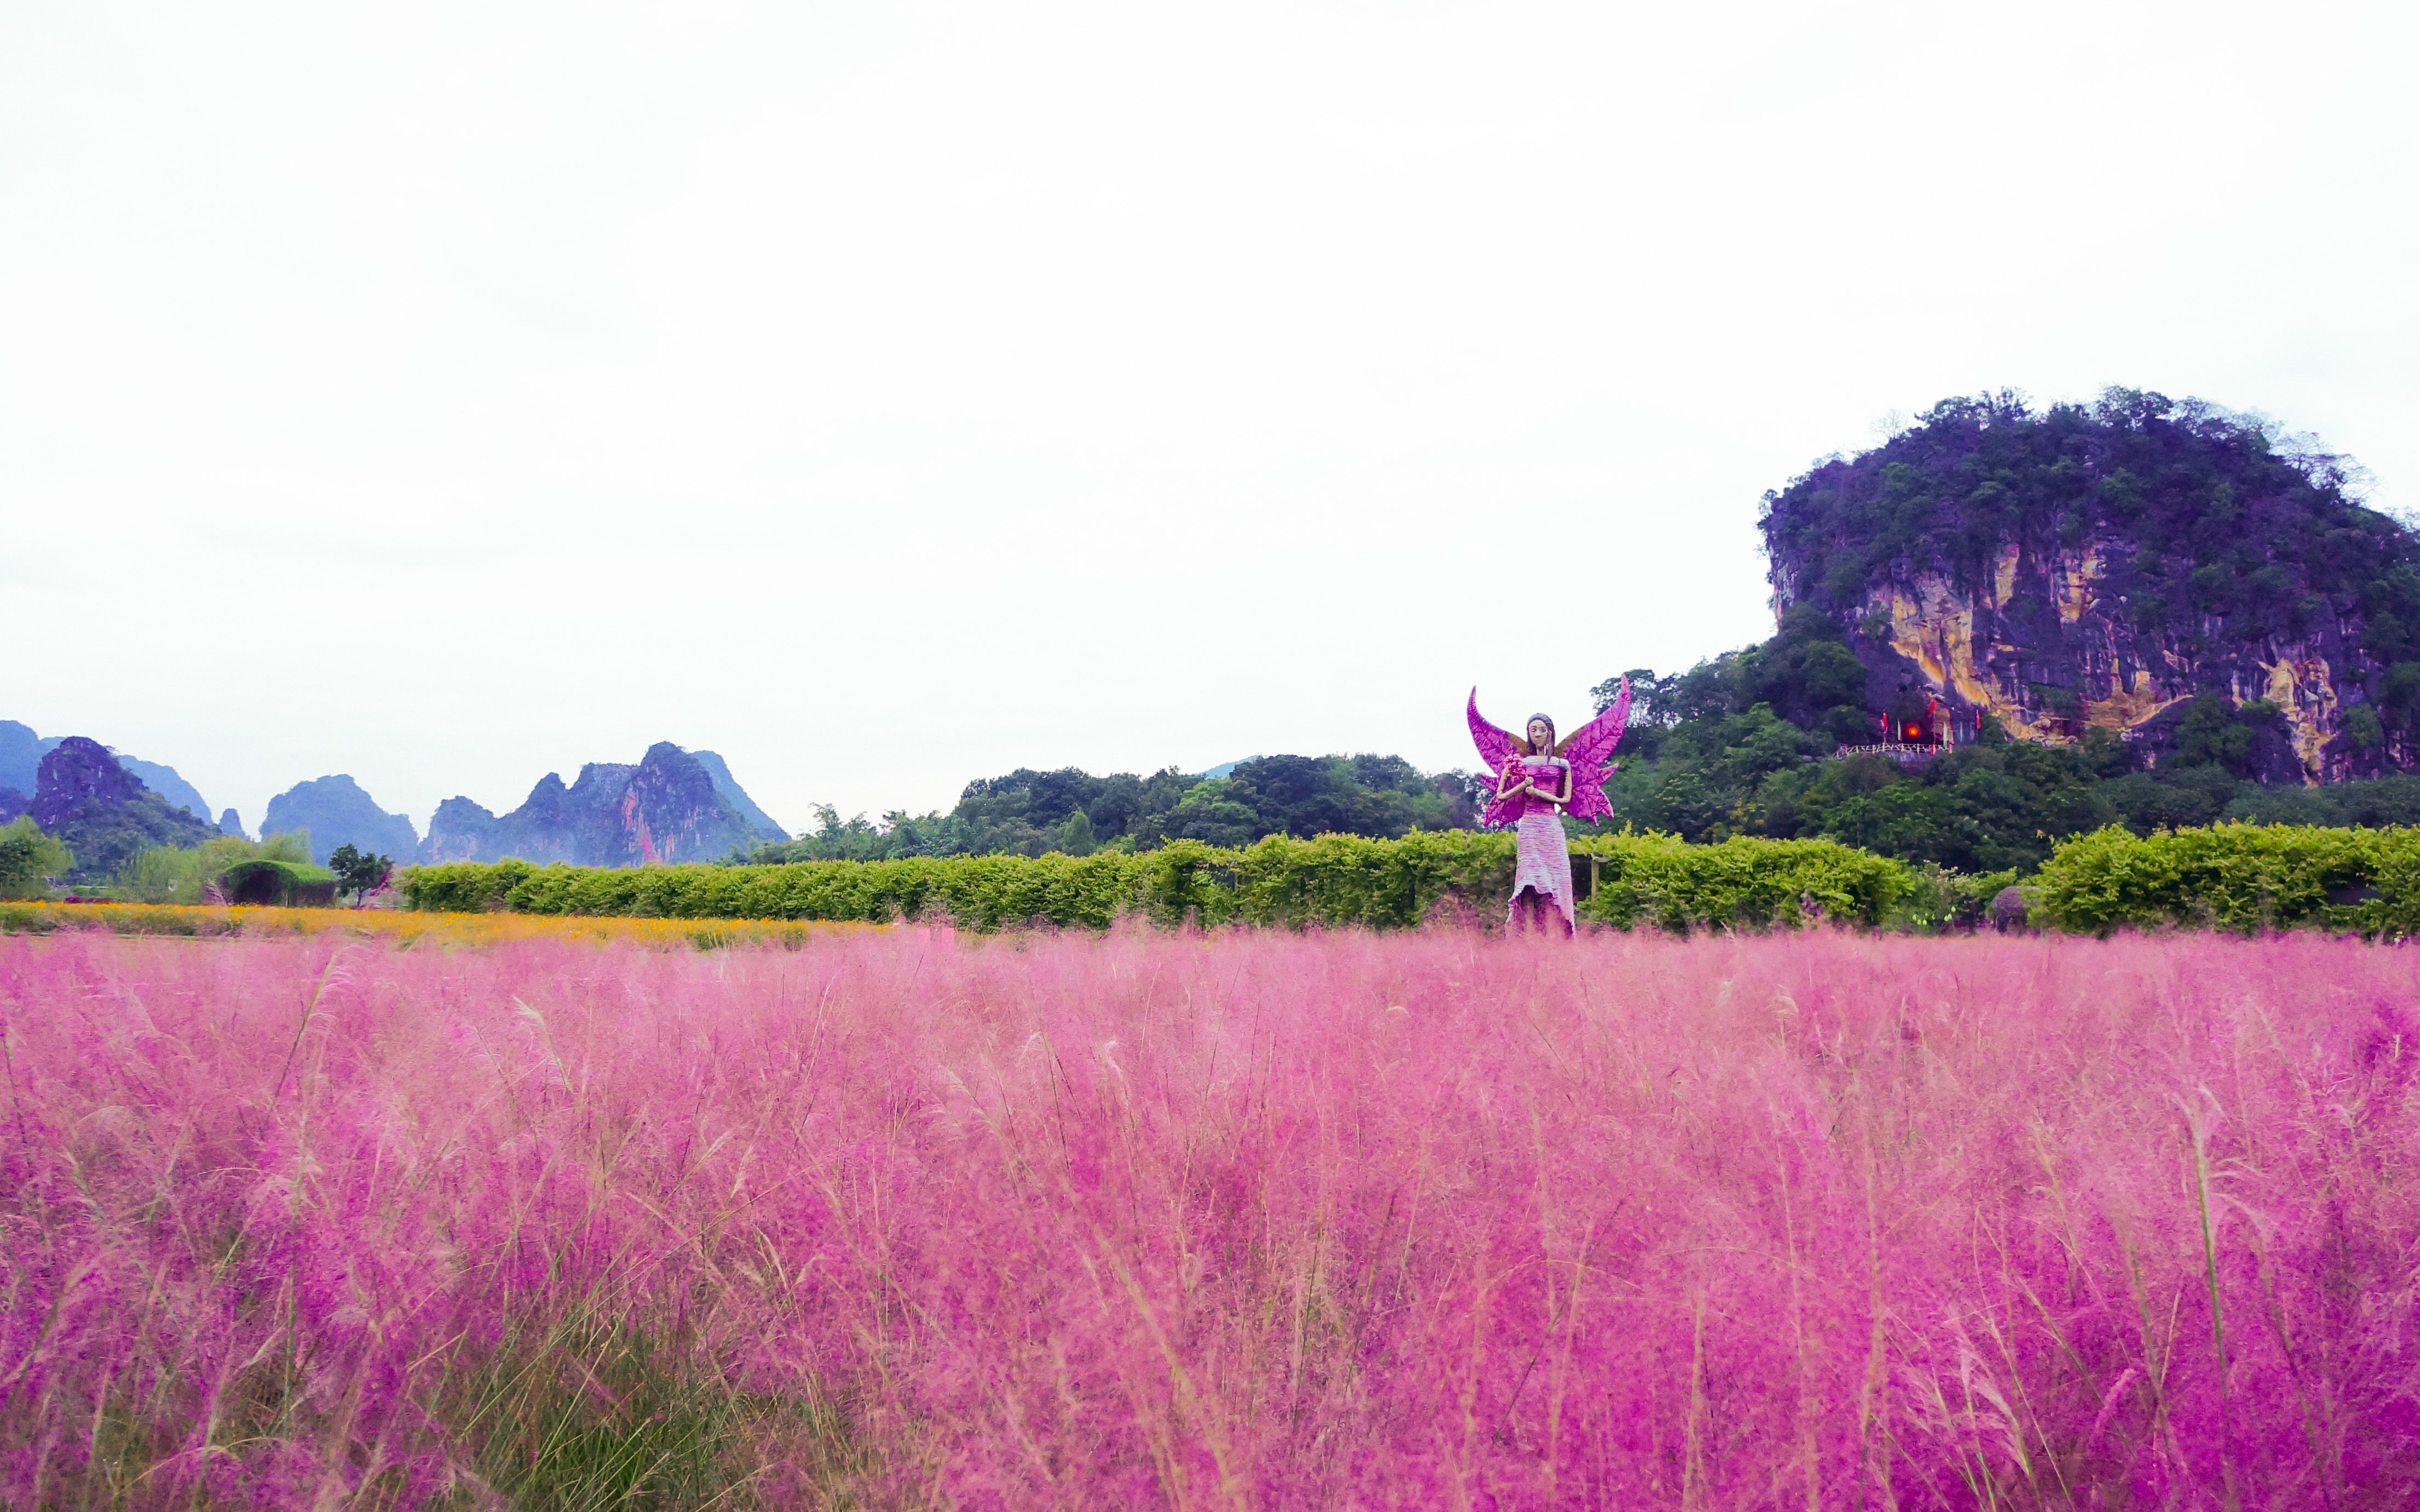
(1495, 748)
(1590, 750)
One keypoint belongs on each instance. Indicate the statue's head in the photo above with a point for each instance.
(1542, 734)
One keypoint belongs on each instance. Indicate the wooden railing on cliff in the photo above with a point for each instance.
(1899, 751)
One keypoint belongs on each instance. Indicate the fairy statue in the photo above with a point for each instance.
(1537, 782)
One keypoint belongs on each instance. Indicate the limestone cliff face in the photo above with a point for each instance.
(2047, 647)
(2107, 568)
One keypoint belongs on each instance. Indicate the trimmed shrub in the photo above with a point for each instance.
(1662, 879)
(279, 884)
(1332, 880)
(461, 886)
(2240, 878)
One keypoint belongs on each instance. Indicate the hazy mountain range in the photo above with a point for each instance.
(670, 805)
(22, 753)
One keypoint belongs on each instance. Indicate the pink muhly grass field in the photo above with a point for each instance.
(1251, 1219)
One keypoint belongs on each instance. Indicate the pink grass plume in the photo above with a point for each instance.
(1237, 1220)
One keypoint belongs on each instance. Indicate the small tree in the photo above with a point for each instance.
(357, 871)
(28, 859)
(1076, 835)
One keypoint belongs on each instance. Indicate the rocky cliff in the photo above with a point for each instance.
(666, 808)
(104, 812)
(724, 783)
(21, 756)
(2114, 568)
(173, 789)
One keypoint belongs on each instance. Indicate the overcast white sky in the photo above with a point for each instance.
(889, 395)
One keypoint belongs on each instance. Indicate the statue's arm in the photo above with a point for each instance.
(1505, 786)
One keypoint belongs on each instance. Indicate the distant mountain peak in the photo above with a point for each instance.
(666, 806)
(104, 812)
(21, 751)
(336, 811)
(79, 771)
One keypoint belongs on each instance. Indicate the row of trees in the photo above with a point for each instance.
(190, 874)
(32, 861)
(1031, 813)
(30, 858)
(1743, 743)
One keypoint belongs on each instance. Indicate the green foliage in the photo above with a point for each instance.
(2362, 723)
(834, 838)
(278, 884)
(357, 871)
(1024, 812)
(587, 1415)
(29, 859)
(1331, 879)
(1983, 807)
(106, 836)
(1375, 796)
(1663, 880)
(1036, 813)
(1076, 835)
(194, 875)
(1937, 898)
(980, 891)
(463, 886)
(157, 874)
(294, 846)
(2214, 734)
(1707, 766)
(2244, 522)
(2237, 877)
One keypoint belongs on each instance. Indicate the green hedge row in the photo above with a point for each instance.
(1335, 879)
(2236, 877)
(2242, 878)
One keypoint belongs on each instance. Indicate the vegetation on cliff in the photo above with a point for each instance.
(1744, 744)
(2238, 522)
(102, 812)
(1996, 805)
(2236, 542)
(21, 758)
(2103, 566)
